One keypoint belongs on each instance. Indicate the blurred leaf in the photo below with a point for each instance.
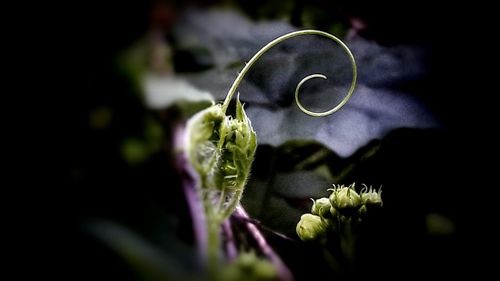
(164, 91)
(146, 259)
(100, 118)
(369, 114)
(248, 267)
(136, 150)
(438, 224)
(150, 54)
(148, 64)
(227, 35)
(372, 112)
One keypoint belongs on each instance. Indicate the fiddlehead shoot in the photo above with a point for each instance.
(222, 148)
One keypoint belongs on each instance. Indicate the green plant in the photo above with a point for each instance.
(335, 218)
(221, 149)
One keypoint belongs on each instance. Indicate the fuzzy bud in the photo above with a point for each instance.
(221, 148)
(321, 207)
(371, 197)
(345, 199)
(311, 227)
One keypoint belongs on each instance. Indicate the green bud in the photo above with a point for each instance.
(311, 227)
(321, 207)
(221, 148)
(201, 130)
(371, 197)
(345, 199)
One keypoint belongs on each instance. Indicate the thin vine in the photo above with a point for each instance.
(287, 36)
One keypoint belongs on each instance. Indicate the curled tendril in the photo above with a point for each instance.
(278, 40)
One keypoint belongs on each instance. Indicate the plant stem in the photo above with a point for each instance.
(231, 251)
(206, 223)
(261, 226)
(331, 260)
(213, 245)
(232, 205)
(284, 273)
(348, 242)
(189, 180)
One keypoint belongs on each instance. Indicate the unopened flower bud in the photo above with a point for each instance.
(371, 197)
(221, 148)
(321, 207)
(345, 199)
(311, 227)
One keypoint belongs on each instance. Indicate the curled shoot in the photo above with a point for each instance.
(287, 36)
(221, 148)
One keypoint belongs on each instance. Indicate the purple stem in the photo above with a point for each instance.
(284, 273)
(261, 226)
(189, 181)
(231, 251)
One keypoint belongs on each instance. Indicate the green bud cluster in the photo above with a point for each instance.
(344, 205)
(221, 148)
